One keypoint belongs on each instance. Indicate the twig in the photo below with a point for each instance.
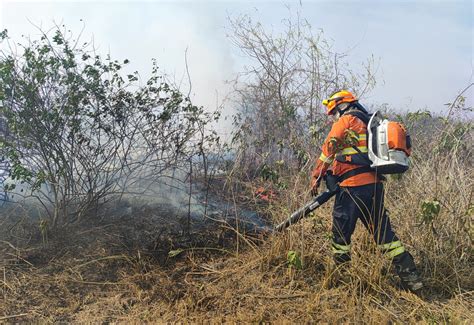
(5, 283)
(467, 293)
(187, 72)
(207, 268)
(188, 223)
(457, 97)
(239, 234)
(21, 258)
(95, 228)
(298, 295)
(384, 308)
(12, 316)
(113, 257)
(96, 283)
(191, 249)
(9, 244)
(7, 286)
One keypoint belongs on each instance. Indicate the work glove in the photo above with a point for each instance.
(314, 187)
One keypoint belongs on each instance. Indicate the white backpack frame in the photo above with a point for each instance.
(384, 160)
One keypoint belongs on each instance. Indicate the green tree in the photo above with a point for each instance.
(80, 129)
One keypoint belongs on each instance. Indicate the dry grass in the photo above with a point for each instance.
(119, 268)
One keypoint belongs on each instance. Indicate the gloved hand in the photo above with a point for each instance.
(314, 187)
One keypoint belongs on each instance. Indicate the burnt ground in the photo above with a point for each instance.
(55, 274)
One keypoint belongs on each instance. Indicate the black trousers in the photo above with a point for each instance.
(367, 204)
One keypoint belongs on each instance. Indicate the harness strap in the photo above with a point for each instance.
(364, 117)
(364, 158)
(354, 172)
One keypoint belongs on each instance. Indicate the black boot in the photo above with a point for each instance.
(342, 258)
(338, 273)
(406, 270)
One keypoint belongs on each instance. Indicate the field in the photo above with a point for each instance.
(134, 201)
(135, 264)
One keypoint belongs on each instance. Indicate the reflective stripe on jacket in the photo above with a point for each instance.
(346, 132)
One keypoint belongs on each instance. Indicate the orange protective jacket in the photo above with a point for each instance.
(346, 132)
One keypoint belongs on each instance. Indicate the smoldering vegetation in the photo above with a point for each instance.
(125, 206)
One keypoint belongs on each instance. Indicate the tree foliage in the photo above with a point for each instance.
(80, 129)
(280, 91)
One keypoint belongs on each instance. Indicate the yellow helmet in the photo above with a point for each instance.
(342, 96)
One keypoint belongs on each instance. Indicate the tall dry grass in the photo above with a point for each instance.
(257, 283)
(251, 279)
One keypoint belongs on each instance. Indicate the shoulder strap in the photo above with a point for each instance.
(364, 117)
(360, 115)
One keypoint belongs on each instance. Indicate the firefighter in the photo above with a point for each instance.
(344, 153)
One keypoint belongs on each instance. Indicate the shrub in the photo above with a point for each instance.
(80, 129)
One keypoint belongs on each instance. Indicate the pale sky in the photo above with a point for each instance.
(425, 48)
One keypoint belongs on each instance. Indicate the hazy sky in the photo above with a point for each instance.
(425, 47)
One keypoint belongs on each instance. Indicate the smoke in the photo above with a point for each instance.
(188, 198)
(173, 197)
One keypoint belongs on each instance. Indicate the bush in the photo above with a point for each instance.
(80, 129)
(279, 93)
